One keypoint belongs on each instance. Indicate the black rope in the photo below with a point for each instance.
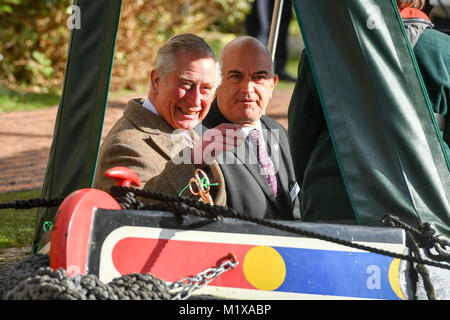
(425, 232)
(178, 204)
(420, 268)
(425, 235)
(32, 203)
(413, 234)
(126, 196)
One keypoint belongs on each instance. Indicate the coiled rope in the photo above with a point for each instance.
(33, 279)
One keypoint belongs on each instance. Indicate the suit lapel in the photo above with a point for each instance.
(247, 157)
(277, 154)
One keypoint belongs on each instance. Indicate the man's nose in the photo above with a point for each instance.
(195, 96)
(248, 85)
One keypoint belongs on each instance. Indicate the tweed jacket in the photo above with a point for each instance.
(148, 145)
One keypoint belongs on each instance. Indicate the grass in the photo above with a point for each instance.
(16, 100)
(17, 226)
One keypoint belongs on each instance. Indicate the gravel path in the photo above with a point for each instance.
(8, 259)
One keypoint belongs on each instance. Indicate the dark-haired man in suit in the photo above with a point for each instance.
(259, 174)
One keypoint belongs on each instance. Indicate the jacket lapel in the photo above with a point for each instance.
(247, 157)
(160, 132)
(276, 149)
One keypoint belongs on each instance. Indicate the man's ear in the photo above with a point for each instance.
(274, 83)
(155, 80)
(275, 80)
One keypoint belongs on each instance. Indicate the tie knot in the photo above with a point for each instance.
(254, 135)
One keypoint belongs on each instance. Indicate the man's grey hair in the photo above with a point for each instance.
(185, 42)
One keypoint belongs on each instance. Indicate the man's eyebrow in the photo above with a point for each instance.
(262, 72)
(185, 78)
(234, 71)
(192, 81)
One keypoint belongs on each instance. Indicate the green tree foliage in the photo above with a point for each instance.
(34, 36)
(145, 25)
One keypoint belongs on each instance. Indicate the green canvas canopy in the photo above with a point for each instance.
(78, 127)
(386, 141)
(349, 62)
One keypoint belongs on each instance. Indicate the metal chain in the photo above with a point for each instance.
(183, 288)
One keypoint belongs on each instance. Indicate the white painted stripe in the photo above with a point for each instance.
(249, 294)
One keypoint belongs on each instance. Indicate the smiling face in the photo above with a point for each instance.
(248, 82)
(184, 96)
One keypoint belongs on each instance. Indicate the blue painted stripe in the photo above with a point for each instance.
(337, 273)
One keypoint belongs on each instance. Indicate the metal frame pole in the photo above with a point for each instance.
(275, 27)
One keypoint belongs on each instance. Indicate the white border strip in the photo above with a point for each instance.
(249, 294)
(107, 271)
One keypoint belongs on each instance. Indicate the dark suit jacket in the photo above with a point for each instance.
(247, 189)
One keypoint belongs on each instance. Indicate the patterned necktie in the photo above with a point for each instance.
(264, 160)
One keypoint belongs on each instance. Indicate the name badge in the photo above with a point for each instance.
(294, 192)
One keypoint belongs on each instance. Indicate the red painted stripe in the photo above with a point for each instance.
(172, 260)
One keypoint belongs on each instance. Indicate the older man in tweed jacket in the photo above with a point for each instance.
(153, 132)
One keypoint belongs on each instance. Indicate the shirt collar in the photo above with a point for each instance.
(149, 106)
(246, 130)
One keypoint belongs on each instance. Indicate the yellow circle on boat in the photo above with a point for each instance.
(264, 268)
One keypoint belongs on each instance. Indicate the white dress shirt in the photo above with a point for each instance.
(184, 133)
(258, 126)
(149, 106)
